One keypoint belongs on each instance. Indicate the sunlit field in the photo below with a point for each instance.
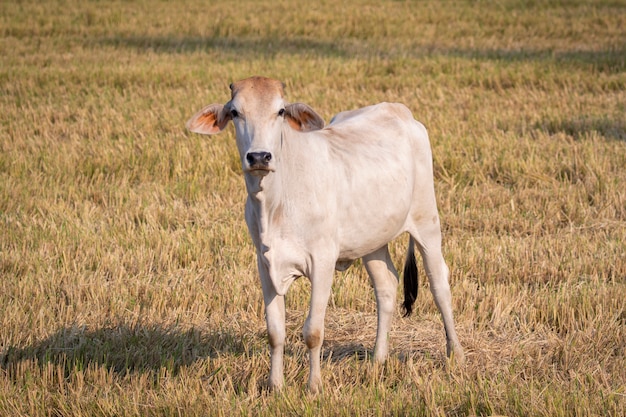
(128, 282)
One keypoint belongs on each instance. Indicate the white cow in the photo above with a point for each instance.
(320, 197)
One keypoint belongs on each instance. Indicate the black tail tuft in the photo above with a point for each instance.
(410, 281)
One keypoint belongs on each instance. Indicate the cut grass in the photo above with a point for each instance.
(127, 279)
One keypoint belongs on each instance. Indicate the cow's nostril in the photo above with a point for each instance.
(267, 157)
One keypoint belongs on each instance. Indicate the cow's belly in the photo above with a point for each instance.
(359, 245)
(373, 227)
(374, 210)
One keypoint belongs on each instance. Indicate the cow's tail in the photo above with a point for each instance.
(410, 279)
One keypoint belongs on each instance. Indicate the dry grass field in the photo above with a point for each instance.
(128, 281)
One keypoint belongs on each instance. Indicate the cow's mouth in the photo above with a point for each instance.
(259, 170)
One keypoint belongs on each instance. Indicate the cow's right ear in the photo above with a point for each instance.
(210, 120)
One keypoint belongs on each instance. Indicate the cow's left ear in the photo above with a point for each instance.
(303, 118)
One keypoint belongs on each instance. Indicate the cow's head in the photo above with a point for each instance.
(259, 111)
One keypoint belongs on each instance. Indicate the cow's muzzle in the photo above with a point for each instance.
(259, 161)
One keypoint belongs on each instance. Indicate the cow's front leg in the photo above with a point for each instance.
(321, 283)
(275, 320)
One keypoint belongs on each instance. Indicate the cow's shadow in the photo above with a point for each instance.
(131, 349)
(125, 349)
(337, 352)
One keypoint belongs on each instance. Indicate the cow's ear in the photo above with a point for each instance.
(303, 118)
(210, 120)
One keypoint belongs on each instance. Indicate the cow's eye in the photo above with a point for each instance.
(234, 113)
(281, 112)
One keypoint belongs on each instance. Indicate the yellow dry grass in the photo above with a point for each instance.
(127, 280)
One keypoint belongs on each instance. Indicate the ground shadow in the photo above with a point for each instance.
(339, 352)
(241, 47)
(128, 350)
(577, 127)
(335, 352)
(603, 60)
(125, 349)
(583, 126)
(612, 60)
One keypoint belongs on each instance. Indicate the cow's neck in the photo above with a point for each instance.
(272, 222)
(266, 194)
(284, 204)
(264, 191)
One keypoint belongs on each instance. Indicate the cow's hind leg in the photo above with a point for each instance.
(384, 279)
(313, 332)
(428, 239)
